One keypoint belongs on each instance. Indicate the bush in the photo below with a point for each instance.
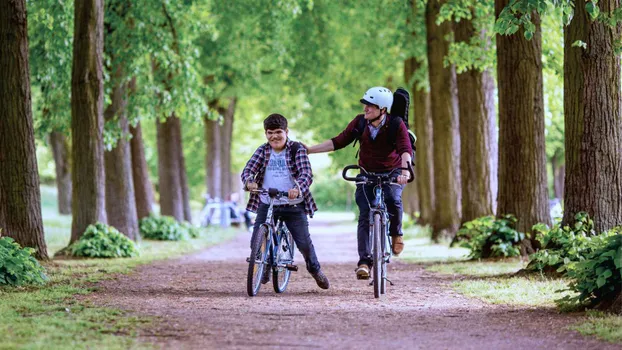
(18, 266)
(563, 245)
(488, 237)
(598, 278)
(166, 228)
(103, 241)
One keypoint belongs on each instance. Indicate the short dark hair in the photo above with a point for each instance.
(275, 121)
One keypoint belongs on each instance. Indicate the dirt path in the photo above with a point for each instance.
(202, 304)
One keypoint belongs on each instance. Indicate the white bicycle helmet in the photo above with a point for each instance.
(379, 96)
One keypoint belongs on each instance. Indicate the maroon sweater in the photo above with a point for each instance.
(381, 154)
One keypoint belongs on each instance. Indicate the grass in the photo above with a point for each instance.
(479, 268)
(54, 316)
(420, 248)
(491, 281)
(604, 326)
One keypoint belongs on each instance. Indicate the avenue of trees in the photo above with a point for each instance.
(513, 102)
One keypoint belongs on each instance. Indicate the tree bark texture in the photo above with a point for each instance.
(213, 163)
(446, 146)
(559, 174)
(183, 176)
(60, 150)
(593, 122)
(143, 188)
(477, 124)
(171, 196)
(120, 197)
(20, 197)
(227, 129)
(522, 157)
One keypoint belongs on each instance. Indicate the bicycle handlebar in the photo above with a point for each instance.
(271, 192)
(390, 177)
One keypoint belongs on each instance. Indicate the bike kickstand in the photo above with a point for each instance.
(388, 280)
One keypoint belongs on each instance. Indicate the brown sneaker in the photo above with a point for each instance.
(397, 244)
(321, 279)
(362, 272)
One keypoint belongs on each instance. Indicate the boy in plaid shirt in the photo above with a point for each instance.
(271, 166)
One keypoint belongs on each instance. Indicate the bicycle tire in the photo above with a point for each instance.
(378, 256)
(281, 275)
(257, 261)
(385, 241)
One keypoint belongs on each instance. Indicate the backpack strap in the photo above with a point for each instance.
(358, 132)
(293, 150)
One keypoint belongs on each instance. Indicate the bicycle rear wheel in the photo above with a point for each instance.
(377, 253)
(285, 255)
(258, 260)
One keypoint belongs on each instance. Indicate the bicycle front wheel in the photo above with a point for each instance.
(285, 255)
(377, 253)
(258, 260)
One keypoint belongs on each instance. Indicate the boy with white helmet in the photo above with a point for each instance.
(379, 153)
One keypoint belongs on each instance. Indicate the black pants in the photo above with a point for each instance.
(393, 199)
(296, 221)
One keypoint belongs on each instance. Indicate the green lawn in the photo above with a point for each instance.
(52, 317)
(493, 282)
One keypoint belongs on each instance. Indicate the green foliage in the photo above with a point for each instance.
(597, 278)
(491, 237)
(563, 245)
(166, 228)
(18, 266)
(103, 241)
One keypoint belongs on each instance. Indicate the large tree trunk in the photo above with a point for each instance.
(120, 200)
(522, 157)
(60, 150)
(87, 124)
(213, 165)
(593, 122)
(143, 189)
(446, 147)
(227, 132)
(171, 196)
(477, 119)
(20, 199)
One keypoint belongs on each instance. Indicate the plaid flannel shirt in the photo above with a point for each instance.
(300, 171)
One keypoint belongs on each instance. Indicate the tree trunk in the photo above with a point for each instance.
(20, 198)
(143, 189)
(477, 119)
(183, 176)
(559, 173)
(60, 150)
(171, 196)
(87, 124)
(446, 217)
(213, 158)
(227, 132)
(120, 199)
(593, 123)
(522, 157)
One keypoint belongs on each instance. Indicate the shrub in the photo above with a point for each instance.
(103, 241)
(166, 228)
(563, 245)
(598, 278)
(490, 237)
(18, 266)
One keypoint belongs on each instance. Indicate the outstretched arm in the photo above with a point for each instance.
(326, 146)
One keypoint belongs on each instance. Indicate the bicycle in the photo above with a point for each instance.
(379, 221)
(272, 246)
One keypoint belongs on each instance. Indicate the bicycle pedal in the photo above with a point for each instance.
(248, 259)
(291, 267)
(358, 277)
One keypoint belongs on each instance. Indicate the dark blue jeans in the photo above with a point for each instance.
(296, 221)
(393, 199)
